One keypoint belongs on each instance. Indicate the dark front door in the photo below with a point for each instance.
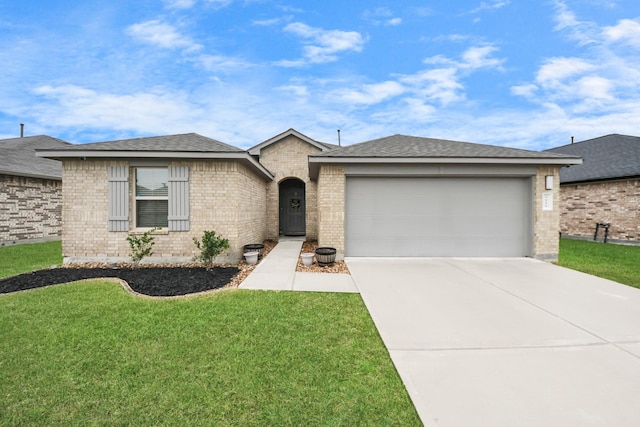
(292, 208)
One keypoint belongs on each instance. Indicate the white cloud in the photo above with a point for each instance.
(439, 85)
(527, 90)
(179, 4)
(323, 45)
(627, 31)
(381, 16)
(555, 70)
(161, 34)
(584, 32)
(217, 63)
(369, 94)
(479, 57)
(298, 91)
(76, 106)
(497, 4)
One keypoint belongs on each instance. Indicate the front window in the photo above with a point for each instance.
(152, 197)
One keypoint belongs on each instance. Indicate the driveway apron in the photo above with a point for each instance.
(507, 342)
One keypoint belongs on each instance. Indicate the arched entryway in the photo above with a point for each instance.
(292, 207)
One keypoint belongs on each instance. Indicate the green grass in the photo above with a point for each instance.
(615, 262)
(18, 259)
(91, 354)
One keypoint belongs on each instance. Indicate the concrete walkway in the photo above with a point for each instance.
(277, 272)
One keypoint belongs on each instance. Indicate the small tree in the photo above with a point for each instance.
(141, 245)
(210, 247)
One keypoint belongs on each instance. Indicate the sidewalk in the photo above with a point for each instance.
(277, 272)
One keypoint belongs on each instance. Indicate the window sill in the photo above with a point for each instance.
(138, 231)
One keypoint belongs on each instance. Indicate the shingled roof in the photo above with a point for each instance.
(18, 157)
(403, 146)
(188, 142)
(183, 146)
(607, 157)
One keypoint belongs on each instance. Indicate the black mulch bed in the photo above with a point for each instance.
(153, 281)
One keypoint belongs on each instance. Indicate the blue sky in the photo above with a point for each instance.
(527, 74)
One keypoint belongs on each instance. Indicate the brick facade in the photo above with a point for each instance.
(615, 202)
(546, 223)
(288, 158)
(331, 198)
(30, 209)
(225, 196)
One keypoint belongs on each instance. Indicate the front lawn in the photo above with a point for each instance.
(90, 353)
(18, 259)
(615, 262)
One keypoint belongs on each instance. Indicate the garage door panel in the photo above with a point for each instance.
(437, 216)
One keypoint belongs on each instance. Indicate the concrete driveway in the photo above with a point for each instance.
(507, 342)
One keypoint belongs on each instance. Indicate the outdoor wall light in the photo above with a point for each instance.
(548, 182)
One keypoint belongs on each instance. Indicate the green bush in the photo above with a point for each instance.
(211, 246)
(141, 245)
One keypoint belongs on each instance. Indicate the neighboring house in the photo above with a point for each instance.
(395, 196)
(604, 189)
(30, 190)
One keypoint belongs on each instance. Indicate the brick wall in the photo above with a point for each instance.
(224, 196)
(615, 202)
(546, 238)
(288, 158)
(30, 209)
(331, 193)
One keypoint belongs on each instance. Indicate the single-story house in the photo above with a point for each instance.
(394, 196)
(30, 190)
(604, 189)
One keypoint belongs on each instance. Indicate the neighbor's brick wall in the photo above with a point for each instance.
(30, 208)
(289, 159)
(331, 193)
(615, 202)
(219, 200)
(546, 238)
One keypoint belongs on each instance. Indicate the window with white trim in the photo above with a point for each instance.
(151, 197)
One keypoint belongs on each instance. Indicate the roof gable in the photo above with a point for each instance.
(255, 150)
(606, 157)
(19, 157)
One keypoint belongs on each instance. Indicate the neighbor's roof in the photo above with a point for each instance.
(18, 157)
(606, 157)
(183, 146)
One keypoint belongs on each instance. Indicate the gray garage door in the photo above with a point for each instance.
(476, 217)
